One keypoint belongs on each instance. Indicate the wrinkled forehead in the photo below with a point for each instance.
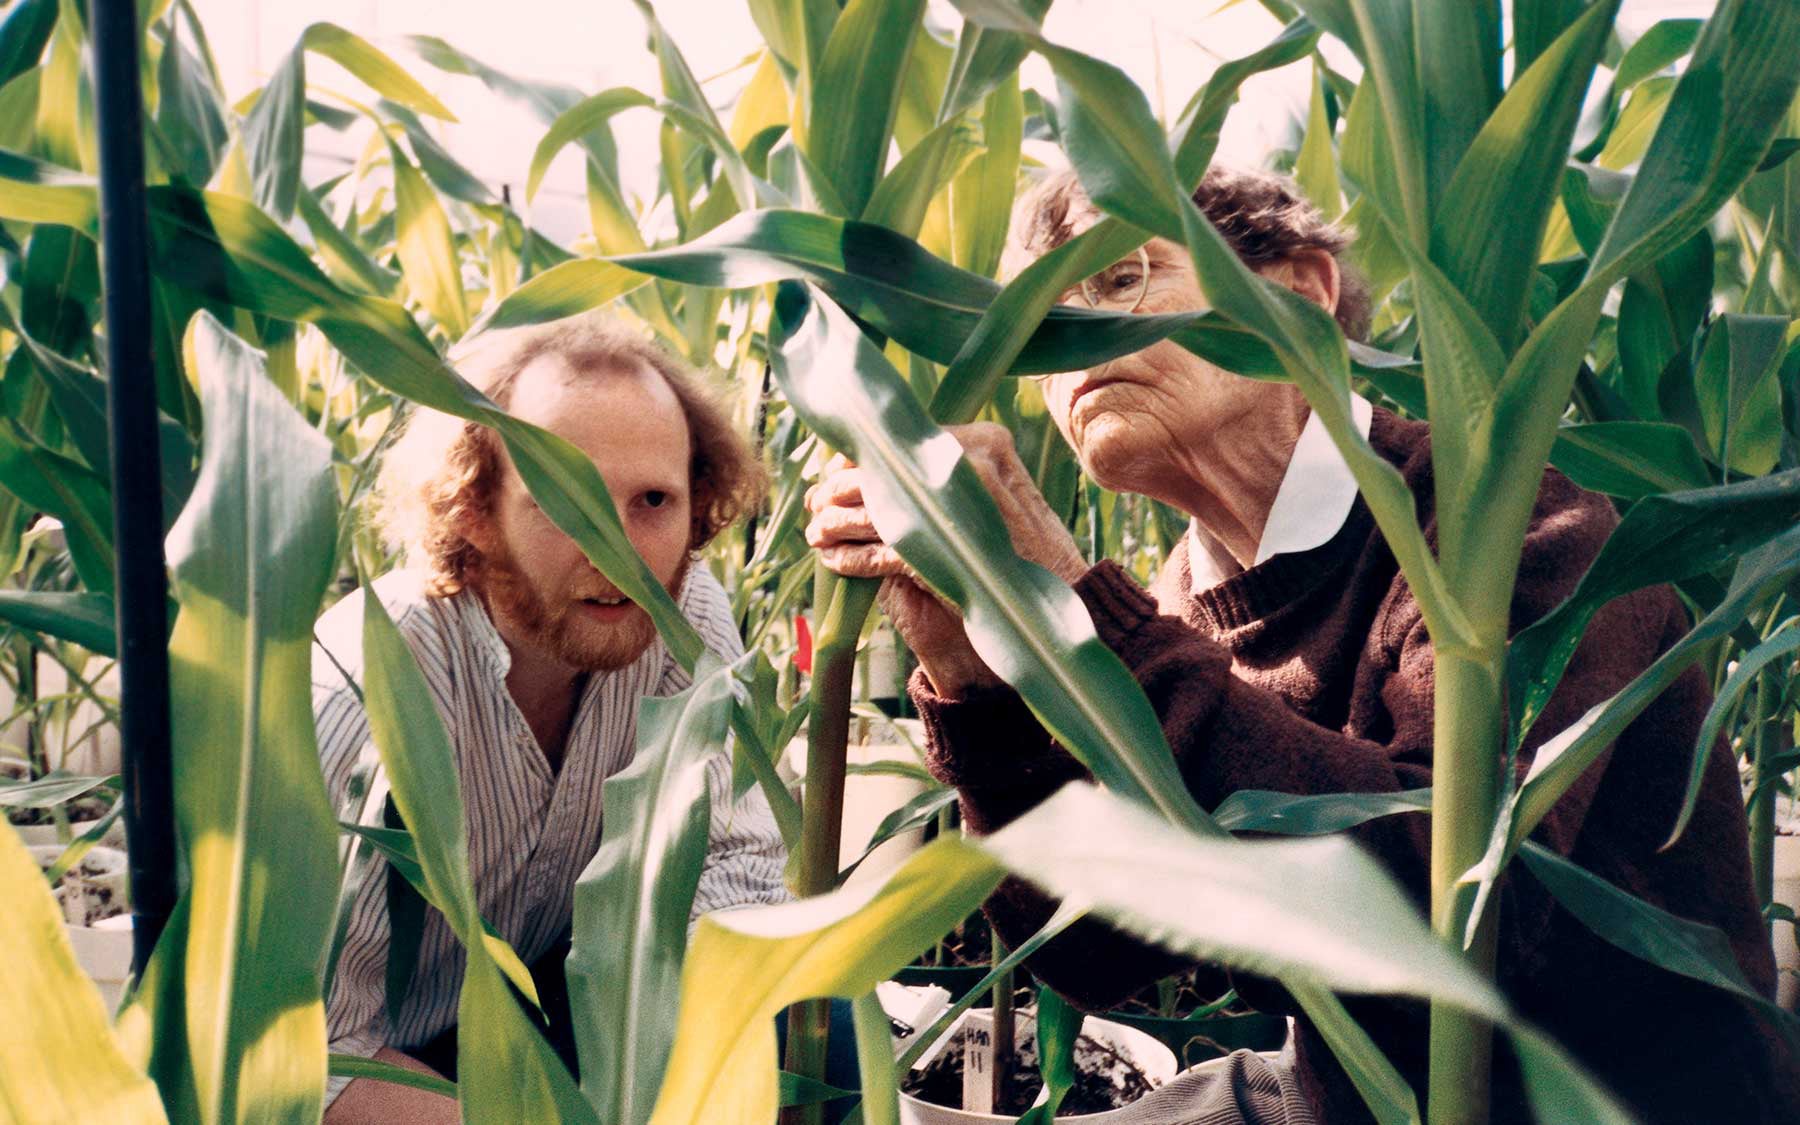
(1048, 216)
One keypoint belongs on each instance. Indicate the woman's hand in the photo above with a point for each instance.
(848, 544)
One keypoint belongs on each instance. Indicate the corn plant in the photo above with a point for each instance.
(834, 244)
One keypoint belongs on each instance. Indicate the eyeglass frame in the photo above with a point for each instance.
(1143, 258)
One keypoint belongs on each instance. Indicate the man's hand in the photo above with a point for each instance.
(847, 542)
(368, 1101)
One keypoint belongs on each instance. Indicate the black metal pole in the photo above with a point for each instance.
(141, 597)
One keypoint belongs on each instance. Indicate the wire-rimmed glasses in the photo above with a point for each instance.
(1120, 287)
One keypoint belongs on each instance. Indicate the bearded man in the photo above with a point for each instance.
(536, 663)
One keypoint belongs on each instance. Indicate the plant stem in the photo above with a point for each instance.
(1767, 738)
(1465, 783)
(875, 1062)
(827, 741)
(1003, 1019)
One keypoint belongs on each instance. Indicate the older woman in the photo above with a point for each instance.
(1283, 650)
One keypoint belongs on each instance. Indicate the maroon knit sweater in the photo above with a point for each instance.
(1312, 673)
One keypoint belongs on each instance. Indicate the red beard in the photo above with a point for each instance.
(561, 629)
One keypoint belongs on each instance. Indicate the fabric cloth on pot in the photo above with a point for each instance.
(1312, 673)
(1243, 1088)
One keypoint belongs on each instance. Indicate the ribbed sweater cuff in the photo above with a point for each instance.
(1118, 605)
(987, 739)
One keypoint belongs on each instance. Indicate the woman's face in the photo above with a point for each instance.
(1135, 420)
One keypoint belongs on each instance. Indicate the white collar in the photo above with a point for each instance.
(1315, 497)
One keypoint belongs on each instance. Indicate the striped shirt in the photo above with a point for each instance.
(531, 830)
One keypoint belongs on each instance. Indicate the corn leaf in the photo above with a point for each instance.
(981, 197)
(1630, 460)
(1029, 627)
(376, 70)
(1504, 185)
(23, 35)
(985, 57)
(514, 1076)
(82, 617)
(251, 556)
(856, 92)
(427, 247)
(1664, 43)
(746, 965)
(634, 900)
(59, 1061)
(1663, 538)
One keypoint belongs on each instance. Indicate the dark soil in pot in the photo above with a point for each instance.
(1104, 1079)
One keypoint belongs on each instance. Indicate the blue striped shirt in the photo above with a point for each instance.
(531, 830)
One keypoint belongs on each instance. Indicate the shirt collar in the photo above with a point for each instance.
(1314, 499)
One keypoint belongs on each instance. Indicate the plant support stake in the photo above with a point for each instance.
(141, 597)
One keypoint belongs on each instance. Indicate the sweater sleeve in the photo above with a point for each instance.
(1227, 735)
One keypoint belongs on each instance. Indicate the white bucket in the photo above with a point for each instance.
(1150, 1054)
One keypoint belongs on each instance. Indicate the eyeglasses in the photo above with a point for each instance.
(1120, 287)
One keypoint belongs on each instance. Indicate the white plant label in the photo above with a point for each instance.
(978, 1063)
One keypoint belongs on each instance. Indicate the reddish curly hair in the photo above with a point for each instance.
(441, 473)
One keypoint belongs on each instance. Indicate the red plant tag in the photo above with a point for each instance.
(802, 644)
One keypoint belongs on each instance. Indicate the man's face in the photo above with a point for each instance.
(542, 590)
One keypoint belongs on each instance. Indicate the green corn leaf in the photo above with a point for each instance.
(796, 30)
(1058, 1025)
(1664, 43)
(1294, 814)
(65, 118)
(1487, 243)
(1663, 538)
(1561, 760)
(900, 200)
(1740, 401)
(24, 33)
(59, 1060)
(923, 302)
(1382, 34)
(347, 262)
(797, 1089)
(565, 290)
(1668, 941)
(69, 491)
(1537, 23)
(634, 900)
(376, 70)
(1630, 460)
(1319, 912)
(273, 137)
(515, 1075)
(981, 198)
(445, 171)
(856, 93)
(914, 815)
(225, 248)
(578, 121)
(251, 555)
(189, 107)
(1305, 338)
(1749, 664)
(427, 247)
(746, 965)
(1718, 126)
(1027, 626)
(34, 191)
(1662, 307)
(355, 1066)
(1315, 168)
(880, 1103)
(1457, 54)
(985, 57)
(52, 789)
(84, 618)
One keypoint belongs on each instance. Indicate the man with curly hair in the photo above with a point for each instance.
(536, 662)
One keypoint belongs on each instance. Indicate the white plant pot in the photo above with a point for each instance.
(102, 944)
(1787, 952)
(45, 834)
(1151, 1055)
